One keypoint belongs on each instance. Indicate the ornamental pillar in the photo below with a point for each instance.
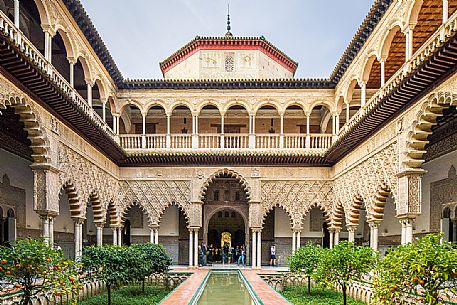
(347, 113)
(336, 237)
(409, 42)
(47, 45)
(195, 247)
(363, 92)
(332, 235)
(114, 236)
(78, 237)
(254, 252)
(383, 72)
(281, 131)
(168, 136)
(89, 93)
(294, 240)
(409, 193)
(51, 231)
(259, 249)
(351, 231)
(191, 247)
(374, 235)
(16, 13)
(194, 131)
(119, 236)
(251, 131)
(72, 62)
(445, 10)
(99, 234)
(222, 145)
(45, 228)
(407, 230)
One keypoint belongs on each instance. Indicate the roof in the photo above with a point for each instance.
(90, 32)
(229, 42)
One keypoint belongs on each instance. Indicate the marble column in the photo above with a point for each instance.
(195, 247)
(16, 13)
(254, 250)
(77, 238)
(191, 247)
(119, 236)
(351, 235)
(51, 231)
(409, 230)
(445, 10)
(99, 234)
(114, 236)
(374, 238)
(156, 238)
(332, 234)
(298, 240)
(294, 240)
(383, 72)
(152, 235)
(45, 228)
(337, 237)
(259, 250)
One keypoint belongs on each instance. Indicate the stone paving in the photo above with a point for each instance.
(183, 293)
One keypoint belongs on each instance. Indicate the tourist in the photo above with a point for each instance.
(233, 255)
(241, 257)
(202, 249)
(210, 253)
(273, 255)
(225, 251)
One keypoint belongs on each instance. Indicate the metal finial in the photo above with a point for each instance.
(228, 21)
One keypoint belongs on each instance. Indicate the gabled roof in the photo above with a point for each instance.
(85, 24)
(229, 42)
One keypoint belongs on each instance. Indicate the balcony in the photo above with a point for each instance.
(235, 142)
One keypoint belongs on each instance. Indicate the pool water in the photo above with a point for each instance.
(225, 288)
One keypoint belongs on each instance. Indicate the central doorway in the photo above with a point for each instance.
(226, 227)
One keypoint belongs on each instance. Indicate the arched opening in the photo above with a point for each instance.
(7, 225)
(156, 120)
(267, 127)
(181, 127)
(236, 127)
(427, 20)
(277, 232)
(393, 51)
(209, 127)
(7, 7)
(316, 227)
(372, 76)
(89, 228)
(131, 121)
(80, 78)
(227, 228)
(97, 97)
(59, 55)
(30, 23)
(225, 214)
(135, 229)
(109, 106)
(320, 120)
(174, 234)
(64, 225)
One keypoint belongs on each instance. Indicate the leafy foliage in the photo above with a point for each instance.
(306, 259)
(120, 264)
(425, 268)
(344, 263)
(298, 296)
(131, 295)
(34, 267)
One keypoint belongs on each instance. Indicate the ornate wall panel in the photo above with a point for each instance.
(367, 177)
(297, 197)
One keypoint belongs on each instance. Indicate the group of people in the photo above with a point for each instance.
(225, 254)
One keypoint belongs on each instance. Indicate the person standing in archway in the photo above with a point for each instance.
(273, 255)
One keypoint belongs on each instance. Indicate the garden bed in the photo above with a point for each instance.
(298, 295)
(130, 295)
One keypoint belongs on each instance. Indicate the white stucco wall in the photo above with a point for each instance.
(169, 224)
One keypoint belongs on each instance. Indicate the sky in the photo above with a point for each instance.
(141, 33)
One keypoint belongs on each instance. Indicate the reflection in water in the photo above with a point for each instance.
(225, 288)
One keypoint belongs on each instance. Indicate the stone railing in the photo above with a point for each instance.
(169, 280)
(211, 142)
(18, 39)
(428, 48)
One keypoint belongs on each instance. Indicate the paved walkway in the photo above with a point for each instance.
(182, 294)
(267, 294)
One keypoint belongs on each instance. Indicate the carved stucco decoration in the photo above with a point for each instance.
(89, 181)
(155, 196)
(367, 180)
(296, 197)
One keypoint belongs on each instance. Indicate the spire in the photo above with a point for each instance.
(228, 34)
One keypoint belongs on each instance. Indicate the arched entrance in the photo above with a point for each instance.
(226, 225)
(225, 211)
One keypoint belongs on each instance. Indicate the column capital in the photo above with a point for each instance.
(99, 224)
(407, 220)
(297, 229)
(78, 220)
(153, 226)
(197, 202)
(351, 228)
(256, 230)
(373, 224)
(44, 167)
(72, 60)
